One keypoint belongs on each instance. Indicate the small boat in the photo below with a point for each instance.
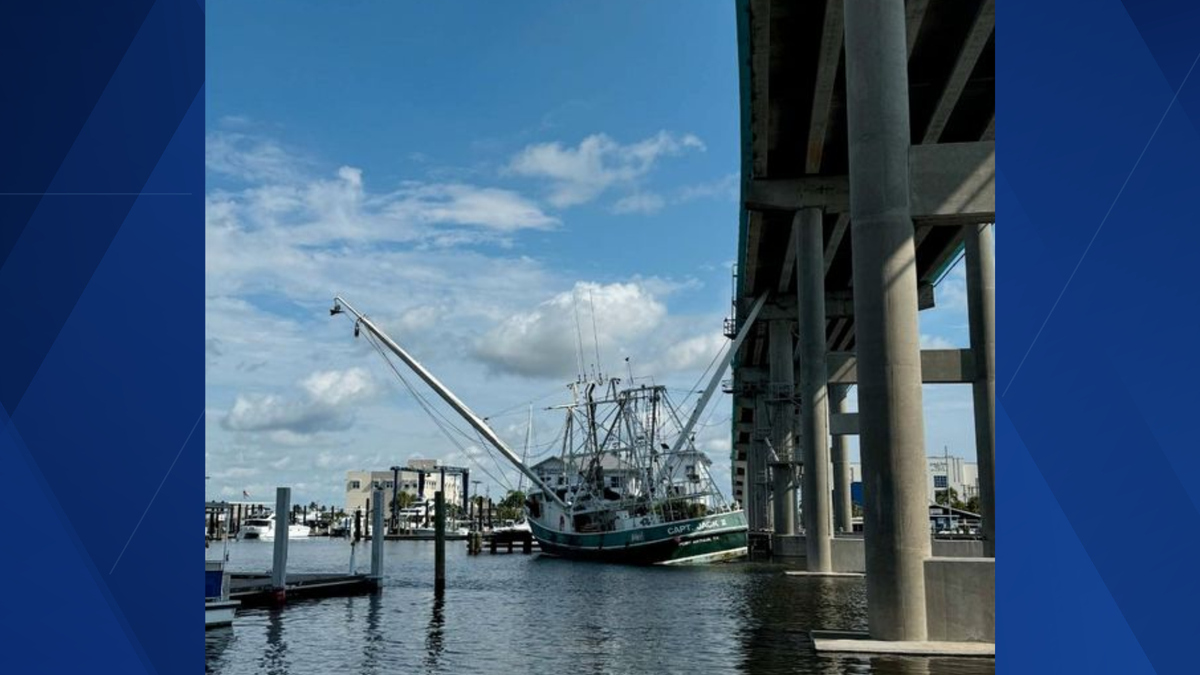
(219, 610)
(264, 528)
(509, 526)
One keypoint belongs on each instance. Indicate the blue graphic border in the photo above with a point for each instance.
(101, 346)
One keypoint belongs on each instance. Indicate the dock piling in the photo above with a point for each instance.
(283, 499)
(439, 541)
(377, 537)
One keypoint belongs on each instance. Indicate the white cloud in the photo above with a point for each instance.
(725, 187)
(580, 174)
(460, 204)
(935, 342)
(639, 202)
(693, 353)
(323, 405)
(544, 341)
(248, 158)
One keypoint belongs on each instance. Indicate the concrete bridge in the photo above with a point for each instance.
(868, 168)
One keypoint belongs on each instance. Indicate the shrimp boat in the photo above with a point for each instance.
(629, 485)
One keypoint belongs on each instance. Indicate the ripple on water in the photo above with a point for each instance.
(518, 613)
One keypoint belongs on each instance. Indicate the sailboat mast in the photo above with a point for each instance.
(448, 396)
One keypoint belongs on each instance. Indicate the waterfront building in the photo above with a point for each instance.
(359, 484)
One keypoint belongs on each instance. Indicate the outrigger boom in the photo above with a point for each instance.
(477, 422)
(474, 420)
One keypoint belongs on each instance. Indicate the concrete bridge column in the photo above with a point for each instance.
(891, 424)
(814, 378)
(981, 310)
(843, 511)
(783, 423)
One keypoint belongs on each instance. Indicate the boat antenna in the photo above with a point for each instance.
(578, 334)
(595, 334)
(525, 454)
(629, 367)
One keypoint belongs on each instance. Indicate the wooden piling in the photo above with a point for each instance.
(439, 541)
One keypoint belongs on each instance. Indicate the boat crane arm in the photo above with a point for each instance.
(716, 377)
(448, 396)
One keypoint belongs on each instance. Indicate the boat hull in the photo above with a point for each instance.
(219, 612)
(700, 540)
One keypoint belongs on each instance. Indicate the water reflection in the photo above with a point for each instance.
(433, 638)
(274, 657)
(372, 650)
(216, 642)
(517, 613)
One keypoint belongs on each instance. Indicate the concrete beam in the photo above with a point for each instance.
(843, 424)
(981, 30)
(950, 184)
(753, 233)
(953, 183)
(827, 66)
(838, 304)
(760, 73)
(938, 366)
(839, 325)
(989, 134)
(789, 262)
(914, 15)
(835, 239)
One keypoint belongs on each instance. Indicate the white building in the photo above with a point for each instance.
(359, 485)
(942, 472)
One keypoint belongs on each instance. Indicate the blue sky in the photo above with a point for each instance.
(461, 171)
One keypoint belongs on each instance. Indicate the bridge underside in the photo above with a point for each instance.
(922, 148)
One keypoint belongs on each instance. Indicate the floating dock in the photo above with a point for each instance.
(256, 590)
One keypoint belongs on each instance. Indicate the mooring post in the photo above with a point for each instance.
(439, 541)
(377, 538)
(283, 500)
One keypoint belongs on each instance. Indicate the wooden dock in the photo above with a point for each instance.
(254, 590)
(508, 540)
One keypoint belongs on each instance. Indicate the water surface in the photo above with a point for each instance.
(528, 613)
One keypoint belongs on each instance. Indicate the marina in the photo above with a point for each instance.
(654, 535)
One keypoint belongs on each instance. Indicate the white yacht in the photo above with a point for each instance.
(264, 528)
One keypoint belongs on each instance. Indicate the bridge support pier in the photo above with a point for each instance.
(756, 486)
(981, 310)
(843, 511)
(814, 378)
(783, 424)
(892, 434)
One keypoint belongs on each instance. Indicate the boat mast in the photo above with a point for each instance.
(448, 396)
